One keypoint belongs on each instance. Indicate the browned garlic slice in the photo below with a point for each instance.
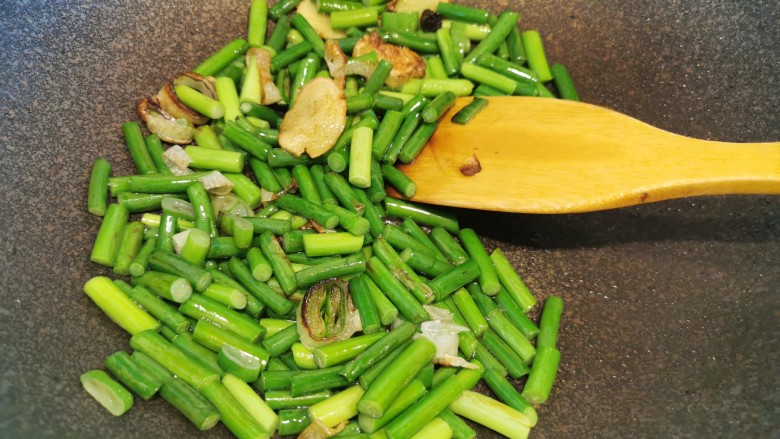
(316, 120)
(262, 57)
(406, 63)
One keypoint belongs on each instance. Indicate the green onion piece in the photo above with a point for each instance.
(202, 307)
(326, 244)
(109, 393)
(511, 280)
(158, 308)
(417, 142)
(351, 222)
(303, 356)
(199, 102)
(256, 28)
(471, 313)
(163, 352)
(436, 429)
(421, 214)
(302, 25)
(261, 291)
(109, 236)
(189, 403)
(462, 13)
(215, 338)
(282, 340)
(339, 267)
(118, 306)
(344, 192)
(228, 97)
(430, 405)
(492, 414)
(337, 408)
(167, 286)
(232, 413)
(511, 335)
(537, 60)
(137, 148)
(408, 396)
(197, 352)
(407, 305)
(307, 70)
(166, 262)
(293, 421)
(363, 17)
(468, 112)
(307, 209)
(145, 362)
(129, 246)
(398, 180)
(488, 279)
(224, 56)
(261, 269)
(506, 393)
(434, 67)
(132, 375)
(549, 322)
(489, 77)
(408, 128)
(386, 132)
(412, 41)
(379, 350)
(281, 8)
(304, 382)
(449, 54)
(282, 399)
(395, 377)
(360, 157)
(345, 350)
(361, 298)
(436, 108)
(306, 186)
(515, 314)
(424, 262)
(97, 195)
(433, 87)
(378, 78)
(563, 82)
(448, 245)
(514, 365)
(246, 141)
(498, 33)
(154, 146)
(251, 403)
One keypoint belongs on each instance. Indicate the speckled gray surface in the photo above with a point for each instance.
(673, 309)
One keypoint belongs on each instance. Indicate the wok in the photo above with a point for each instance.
(671, 320)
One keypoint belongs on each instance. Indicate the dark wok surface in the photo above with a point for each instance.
(671, 325)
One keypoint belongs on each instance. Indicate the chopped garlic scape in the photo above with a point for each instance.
(177, 160)
(216, 183)
(443, 332)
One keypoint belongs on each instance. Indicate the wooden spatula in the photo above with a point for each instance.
(551, 156)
